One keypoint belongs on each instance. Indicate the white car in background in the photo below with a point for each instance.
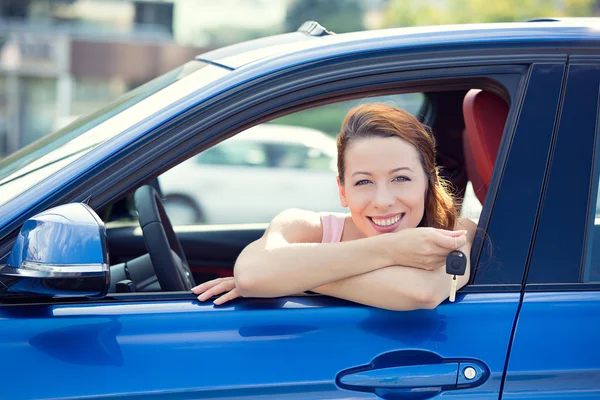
(253, 176)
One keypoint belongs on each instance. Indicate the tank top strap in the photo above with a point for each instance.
(333, 226)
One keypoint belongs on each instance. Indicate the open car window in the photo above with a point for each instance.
(297, 152)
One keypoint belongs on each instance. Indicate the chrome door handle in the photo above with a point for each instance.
(421, 381)
(405, 377)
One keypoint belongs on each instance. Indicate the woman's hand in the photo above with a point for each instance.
(216, 287)
(425, 248)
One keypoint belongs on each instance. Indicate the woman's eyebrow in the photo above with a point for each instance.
(391, 172)
(362, 173)
(400, 169)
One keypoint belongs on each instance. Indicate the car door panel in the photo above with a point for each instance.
(555, 352)
(277, 348)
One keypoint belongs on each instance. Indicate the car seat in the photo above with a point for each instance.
(485, 116)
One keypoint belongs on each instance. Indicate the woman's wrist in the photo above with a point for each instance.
(387, 249)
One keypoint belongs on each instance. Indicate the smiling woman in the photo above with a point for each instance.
(388, 251)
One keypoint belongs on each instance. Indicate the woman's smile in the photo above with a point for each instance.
(386, 223)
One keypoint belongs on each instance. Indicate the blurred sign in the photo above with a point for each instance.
(27, 53)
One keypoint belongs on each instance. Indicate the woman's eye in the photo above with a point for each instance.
(362, 182)
(401, 179)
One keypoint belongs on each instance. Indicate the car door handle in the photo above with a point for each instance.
(405, 377)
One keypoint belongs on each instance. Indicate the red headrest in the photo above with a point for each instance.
(485, 116)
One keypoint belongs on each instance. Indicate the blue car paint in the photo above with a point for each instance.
(82, 234)
(556, 351)
(268, 348)
(182, 349)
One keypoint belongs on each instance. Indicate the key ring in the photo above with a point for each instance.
(455, 244)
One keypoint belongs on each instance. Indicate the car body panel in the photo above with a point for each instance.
(277, 348)
(555, 353)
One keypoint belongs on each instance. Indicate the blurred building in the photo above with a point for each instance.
(60, 59)
(64, 58)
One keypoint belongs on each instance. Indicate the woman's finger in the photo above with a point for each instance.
(224, 286)
(220, 288)
(206, 285)
(232, 294)
(450, 243)
(457, 233)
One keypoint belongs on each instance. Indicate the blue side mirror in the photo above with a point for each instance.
(59, 252)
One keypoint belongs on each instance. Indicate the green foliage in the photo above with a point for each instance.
(335, 15)
(413, 13)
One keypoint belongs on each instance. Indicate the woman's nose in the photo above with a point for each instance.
(383, 198)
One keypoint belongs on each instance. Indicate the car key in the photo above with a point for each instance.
(456, 264)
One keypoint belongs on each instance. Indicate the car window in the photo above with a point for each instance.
(591, 271)
(234, 153)
(299, 156)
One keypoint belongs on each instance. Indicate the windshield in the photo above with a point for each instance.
(46, 156)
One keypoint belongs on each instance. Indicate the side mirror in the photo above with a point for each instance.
(59, 252)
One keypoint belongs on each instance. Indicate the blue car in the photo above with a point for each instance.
(95, 297)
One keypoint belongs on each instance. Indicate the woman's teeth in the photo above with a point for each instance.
(386, 221)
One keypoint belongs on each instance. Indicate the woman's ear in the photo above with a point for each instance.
(343, 200)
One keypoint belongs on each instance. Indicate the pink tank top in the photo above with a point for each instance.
(333, 227)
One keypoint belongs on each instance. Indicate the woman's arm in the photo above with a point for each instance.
(399, 287)
(289, 258)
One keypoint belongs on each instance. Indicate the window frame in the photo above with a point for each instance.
(563, 270)
(508, 77)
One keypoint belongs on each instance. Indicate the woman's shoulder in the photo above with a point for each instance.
(306, 217)
(298, 225)
(297, 216)
(304, 225)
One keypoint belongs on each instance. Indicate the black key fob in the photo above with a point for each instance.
(456, 263)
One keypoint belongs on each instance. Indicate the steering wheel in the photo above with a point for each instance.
(169, 261)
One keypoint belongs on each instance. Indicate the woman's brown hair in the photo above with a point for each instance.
(382, 120)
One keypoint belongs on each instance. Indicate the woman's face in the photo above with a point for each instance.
(384, 186)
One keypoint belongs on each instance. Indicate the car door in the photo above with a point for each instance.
(167, 345)
(555, 352)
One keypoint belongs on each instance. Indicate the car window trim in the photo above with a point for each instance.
(458, 77)
(569, 281)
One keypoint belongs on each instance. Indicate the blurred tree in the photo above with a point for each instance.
(412, 13)
(335, 15)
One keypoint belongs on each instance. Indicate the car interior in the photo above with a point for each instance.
(467, 124)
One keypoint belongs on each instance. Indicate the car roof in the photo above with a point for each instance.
(545, 30)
